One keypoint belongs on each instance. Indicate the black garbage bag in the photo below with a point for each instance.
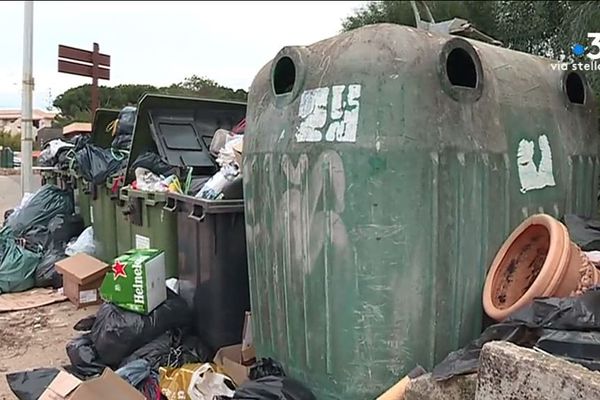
(117, 333)
(122, 142)
(85, 324)
(45, 204)
(273, 388)
(152, 162)
(96, 164)
(18, 266)
(56, 234)
(7, 213)
(29, 385)
(585, 232)
(85, 362)
(45, 272)
(266, 367)
(526, 328)
(171, 349)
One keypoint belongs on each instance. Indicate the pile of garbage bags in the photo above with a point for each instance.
(94, 163)
(35, 235)
(158, 354)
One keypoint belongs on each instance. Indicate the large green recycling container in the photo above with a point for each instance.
(383, 169)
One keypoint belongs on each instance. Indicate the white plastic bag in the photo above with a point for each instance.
(207, 384)
(83, 244)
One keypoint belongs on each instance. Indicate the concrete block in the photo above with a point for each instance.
(509, 372)
(426, 388)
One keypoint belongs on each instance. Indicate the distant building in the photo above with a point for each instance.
(10, 120)
(77, 128)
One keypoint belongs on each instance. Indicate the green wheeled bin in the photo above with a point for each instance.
(7, 158)
(179, 130)
(383, 169)
(83, 203)
(151, 225)
(103, 210)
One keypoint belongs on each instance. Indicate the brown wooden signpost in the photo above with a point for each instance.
(92, 64)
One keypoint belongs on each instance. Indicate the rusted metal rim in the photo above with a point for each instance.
(460, 93)
(298, 56)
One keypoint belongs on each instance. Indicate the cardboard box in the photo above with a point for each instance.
(137, 281)
(107, 386)
(82, 276)
(229, 358)
(238, 150)
(248, 351)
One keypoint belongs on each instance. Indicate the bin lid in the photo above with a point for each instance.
(182, 128)
(102, 118)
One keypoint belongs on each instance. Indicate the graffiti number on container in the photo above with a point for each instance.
(329, 113)
(532, 176)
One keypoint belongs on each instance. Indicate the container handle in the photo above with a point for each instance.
(124, 194)
(194, 215)
(150, 199)
(170, 205)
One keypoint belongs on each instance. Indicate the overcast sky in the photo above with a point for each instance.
(159, 43)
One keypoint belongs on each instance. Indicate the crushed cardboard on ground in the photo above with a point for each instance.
(36, 338)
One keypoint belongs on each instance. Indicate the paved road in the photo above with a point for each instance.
(10, 191)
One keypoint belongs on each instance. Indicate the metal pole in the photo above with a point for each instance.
(95, 95)
(26, 103)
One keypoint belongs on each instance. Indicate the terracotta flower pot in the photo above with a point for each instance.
(537, 260)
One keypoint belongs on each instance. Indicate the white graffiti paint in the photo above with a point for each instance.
(335, 115)
(535, 177)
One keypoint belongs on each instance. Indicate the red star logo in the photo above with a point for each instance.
(119, 270)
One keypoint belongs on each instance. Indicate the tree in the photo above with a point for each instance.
(74, 104)
(546, 28)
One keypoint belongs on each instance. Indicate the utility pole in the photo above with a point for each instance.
(26, 103)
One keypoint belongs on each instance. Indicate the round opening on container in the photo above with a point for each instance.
(284, 76)
(575, 88)
(460, 68)
(520, 266)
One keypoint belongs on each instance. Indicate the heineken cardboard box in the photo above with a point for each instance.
(136, 281)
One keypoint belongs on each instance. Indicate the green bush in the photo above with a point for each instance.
(12, 141)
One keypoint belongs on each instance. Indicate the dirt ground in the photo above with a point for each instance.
(36, 338)
(32, 338)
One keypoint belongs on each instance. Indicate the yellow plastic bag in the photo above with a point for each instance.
(174, 382)
(194, 382)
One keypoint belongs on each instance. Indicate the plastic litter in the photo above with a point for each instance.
(152, 162)
(84, 359)
(273, 388)
(226, 154)
(266, 367)
(117, 333)
(83, 244)
(206, 383)
(219, 140)
(528, 328)
(225, 184)
(29, 385)
(173, 284)
(48, 154)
